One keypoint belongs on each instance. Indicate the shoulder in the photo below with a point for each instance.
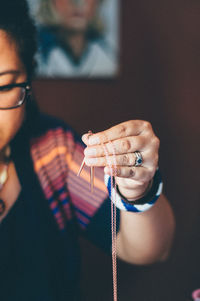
(45, 123)
(52, 140)
(48, 130)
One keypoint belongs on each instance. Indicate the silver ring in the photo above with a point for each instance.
(138, 159)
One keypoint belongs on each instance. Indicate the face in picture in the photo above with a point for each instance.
(75, 38)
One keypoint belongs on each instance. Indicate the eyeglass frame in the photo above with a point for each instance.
(24, 85)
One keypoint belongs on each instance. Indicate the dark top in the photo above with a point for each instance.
(38, 261)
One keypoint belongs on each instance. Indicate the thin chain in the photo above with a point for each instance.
(113, 216)
(113, 196)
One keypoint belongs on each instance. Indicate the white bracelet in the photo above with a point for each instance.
(147, 201)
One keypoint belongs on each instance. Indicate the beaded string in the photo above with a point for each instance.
(113, 215)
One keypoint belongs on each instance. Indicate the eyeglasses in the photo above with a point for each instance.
(14, 95)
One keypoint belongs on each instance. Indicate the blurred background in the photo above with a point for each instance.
(159, 81)
(77, 38)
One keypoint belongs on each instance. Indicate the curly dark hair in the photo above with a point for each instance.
(15, 20)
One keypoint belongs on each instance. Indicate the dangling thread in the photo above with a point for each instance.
(113, 215)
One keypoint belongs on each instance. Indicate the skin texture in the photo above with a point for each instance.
(126, 138)
(11, 71)
(145, 237)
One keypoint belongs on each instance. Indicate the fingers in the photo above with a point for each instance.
(141, 174)
(124, 167)
(120, 146)
(122, 130)
(126, 160)
(115, 147)
(123, 160)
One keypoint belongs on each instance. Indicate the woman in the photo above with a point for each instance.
(44, 205)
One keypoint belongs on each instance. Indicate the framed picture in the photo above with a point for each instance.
(77, 38)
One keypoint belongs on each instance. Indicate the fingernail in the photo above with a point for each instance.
(85, 138)
(107, 170)
(90, 161)
(93, 140)
(90, 151)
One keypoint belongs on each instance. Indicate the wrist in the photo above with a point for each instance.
(133, 194)
(140, 205)
(153, 191)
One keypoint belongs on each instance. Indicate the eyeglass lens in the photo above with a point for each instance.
(12, 97)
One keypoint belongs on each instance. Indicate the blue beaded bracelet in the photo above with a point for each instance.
(142, 204)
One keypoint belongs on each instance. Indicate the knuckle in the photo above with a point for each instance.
(126, 145)
(151, 173)
(122, 128)
(153, 161)
(132, 160)
(119, 172)
(156, 142)
(132, 172)
(147, 125)
(131, 123)
(125, 159)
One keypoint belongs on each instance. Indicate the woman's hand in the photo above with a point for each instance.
(120, 142)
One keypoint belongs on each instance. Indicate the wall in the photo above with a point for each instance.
(159, 81)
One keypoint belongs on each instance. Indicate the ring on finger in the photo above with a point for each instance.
(138, 159)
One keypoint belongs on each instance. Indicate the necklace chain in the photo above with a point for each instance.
(113, 214)
(113, 207)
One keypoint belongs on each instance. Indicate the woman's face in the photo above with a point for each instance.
(11, 71)
(76, 14)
